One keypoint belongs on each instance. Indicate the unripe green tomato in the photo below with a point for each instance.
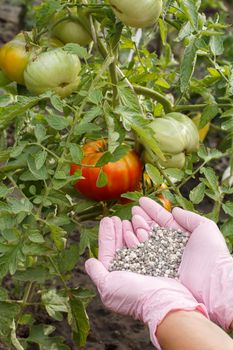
(70, 31)
(137, 13)
(55, 70)
(175, 133)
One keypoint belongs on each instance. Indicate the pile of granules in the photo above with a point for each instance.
(159, 256)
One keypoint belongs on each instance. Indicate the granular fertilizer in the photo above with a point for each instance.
(159, 256)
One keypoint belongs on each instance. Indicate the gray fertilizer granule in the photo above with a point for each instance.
(159, 256)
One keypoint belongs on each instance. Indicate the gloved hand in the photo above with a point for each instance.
(145, 298)
(207, 266)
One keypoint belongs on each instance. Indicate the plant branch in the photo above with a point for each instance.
(140, 90)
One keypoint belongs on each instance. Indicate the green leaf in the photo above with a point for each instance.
(89, 238)
(120, 152)
(11, 256)
(104, 159)
(177, 174)
(228, 208)
(40, 334)
(39, 174)
(184, 203)
(57, 122)
(76, 153)
(148, 142)
(4, 191)
(68, 258)
(84, 128)
(57, 103)
(40, 132)
(154, 174)
(211, 178)
(227, 228)
(33, 274)
(77, 50)
(20, 205)
(209, 112)
(95, 96)
(80, 320)
(7, 315)
(216, 45)
(123, 211)
(197, 194)
(188, 64)
(190, 8)
(102, 179)
(40, 159)
(35, 236)
(54, 304)
(163, 30)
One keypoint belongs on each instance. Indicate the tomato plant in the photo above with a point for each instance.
(138, 89)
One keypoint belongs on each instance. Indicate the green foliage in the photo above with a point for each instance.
(45, 224)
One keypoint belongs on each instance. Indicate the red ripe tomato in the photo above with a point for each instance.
(123, 175)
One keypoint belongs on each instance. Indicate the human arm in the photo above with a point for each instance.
(191, 330)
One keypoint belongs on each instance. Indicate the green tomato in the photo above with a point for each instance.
(55, 70)
(70, 31)
(139, 13)
(176, 135)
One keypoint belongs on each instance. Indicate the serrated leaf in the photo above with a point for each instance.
(7, 315)
(77, 50)
(40, 132)
(188, 64)
(54, 304)
(76, 153)
(228, 208)
(81, 320)
(209, 112)
(57, 122)
(68, 258)
(40, 159)
(104, 159)
(211, 178)
(154, 174)
(177, 174)
(57, 103)
(39, 174)
(197, 194)
(33, 274)
(190, 8)
(216, 45)
(148, 142)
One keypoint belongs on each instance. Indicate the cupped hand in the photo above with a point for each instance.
(145, 298)
(207, 266)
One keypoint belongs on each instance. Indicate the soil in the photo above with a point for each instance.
(109, 331)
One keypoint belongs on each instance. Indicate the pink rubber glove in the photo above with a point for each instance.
(207, 266)
(145, 298)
